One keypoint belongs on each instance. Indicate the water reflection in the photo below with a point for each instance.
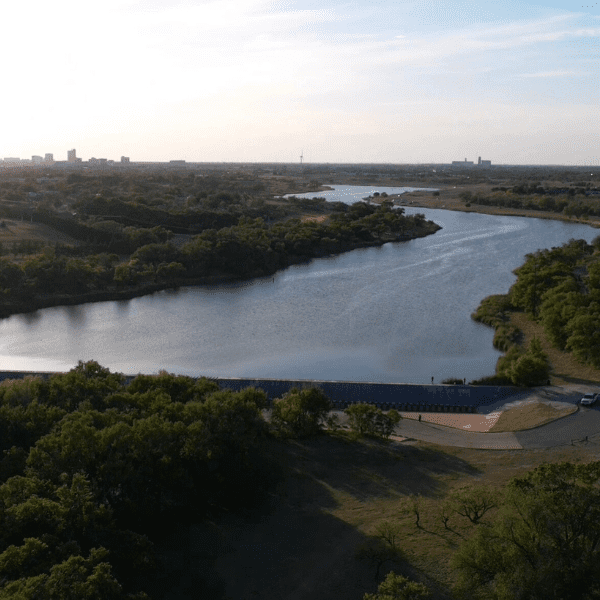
(76, 314)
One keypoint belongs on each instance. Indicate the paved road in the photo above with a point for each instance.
(585, 422)
(449, 436)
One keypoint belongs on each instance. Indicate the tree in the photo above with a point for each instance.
(300, 412)
(544, 542)
(525, 368)
(367, 419)
(398, 587)
(474, 502)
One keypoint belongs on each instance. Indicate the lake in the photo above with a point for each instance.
(397, 313)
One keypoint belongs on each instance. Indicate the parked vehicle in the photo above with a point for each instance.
(589, 399)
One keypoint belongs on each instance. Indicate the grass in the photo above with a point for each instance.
(529, 416)
(17, 231)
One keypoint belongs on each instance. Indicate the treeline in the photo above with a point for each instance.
(571, 202)
(249, 249)
(560, 289)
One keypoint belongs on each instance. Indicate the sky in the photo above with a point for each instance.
(361, 81)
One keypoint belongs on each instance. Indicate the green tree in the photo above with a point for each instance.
(544, 542)
(300, 412)
(525, 368)
(367, 419)
(398, 587)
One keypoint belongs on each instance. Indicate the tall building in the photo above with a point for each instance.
(71, 156)
(36, 160)
(49, 158)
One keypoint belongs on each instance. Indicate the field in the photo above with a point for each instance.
(12, 231)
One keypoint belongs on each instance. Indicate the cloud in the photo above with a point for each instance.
(554, 74)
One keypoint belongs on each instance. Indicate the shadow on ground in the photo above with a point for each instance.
(294, 547)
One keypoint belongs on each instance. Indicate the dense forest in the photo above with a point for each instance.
(95, 467)
(98, 469)
(132, 234)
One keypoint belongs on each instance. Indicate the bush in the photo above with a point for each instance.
(398, 587)
(492, 380)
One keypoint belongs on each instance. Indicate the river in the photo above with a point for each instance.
(397, 313)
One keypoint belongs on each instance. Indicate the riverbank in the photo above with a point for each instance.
(449, 199)
(127, 292)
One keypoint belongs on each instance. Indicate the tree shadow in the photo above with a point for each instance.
(577, 380)
(370, 468)
(293, 546)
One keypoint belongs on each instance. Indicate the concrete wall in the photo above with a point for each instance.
(403, 396)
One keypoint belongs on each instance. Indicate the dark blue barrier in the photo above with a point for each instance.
(402, 396)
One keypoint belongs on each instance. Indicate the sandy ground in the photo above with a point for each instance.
(468, 422)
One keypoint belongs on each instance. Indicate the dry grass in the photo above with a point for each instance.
(565, 369)
(16, 231)
(529, 416)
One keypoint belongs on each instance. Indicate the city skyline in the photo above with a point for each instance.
(260, 81)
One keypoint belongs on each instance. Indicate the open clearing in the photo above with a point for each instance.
(12, 231)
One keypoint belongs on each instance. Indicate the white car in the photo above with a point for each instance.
(589, 399)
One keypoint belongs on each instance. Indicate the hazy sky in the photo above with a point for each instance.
(261, 81)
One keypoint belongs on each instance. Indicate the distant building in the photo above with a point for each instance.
(461, 163)
(36, 160)
(49, 158)
(470, 163)
(177, 162)
(124, 159)
(12, 161)
(71, 156)
(97, 161)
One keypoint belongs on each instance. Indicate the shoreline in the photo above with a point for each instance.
(144, 289)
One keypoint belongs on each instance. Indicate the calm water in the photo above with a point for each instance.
(398, 313)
